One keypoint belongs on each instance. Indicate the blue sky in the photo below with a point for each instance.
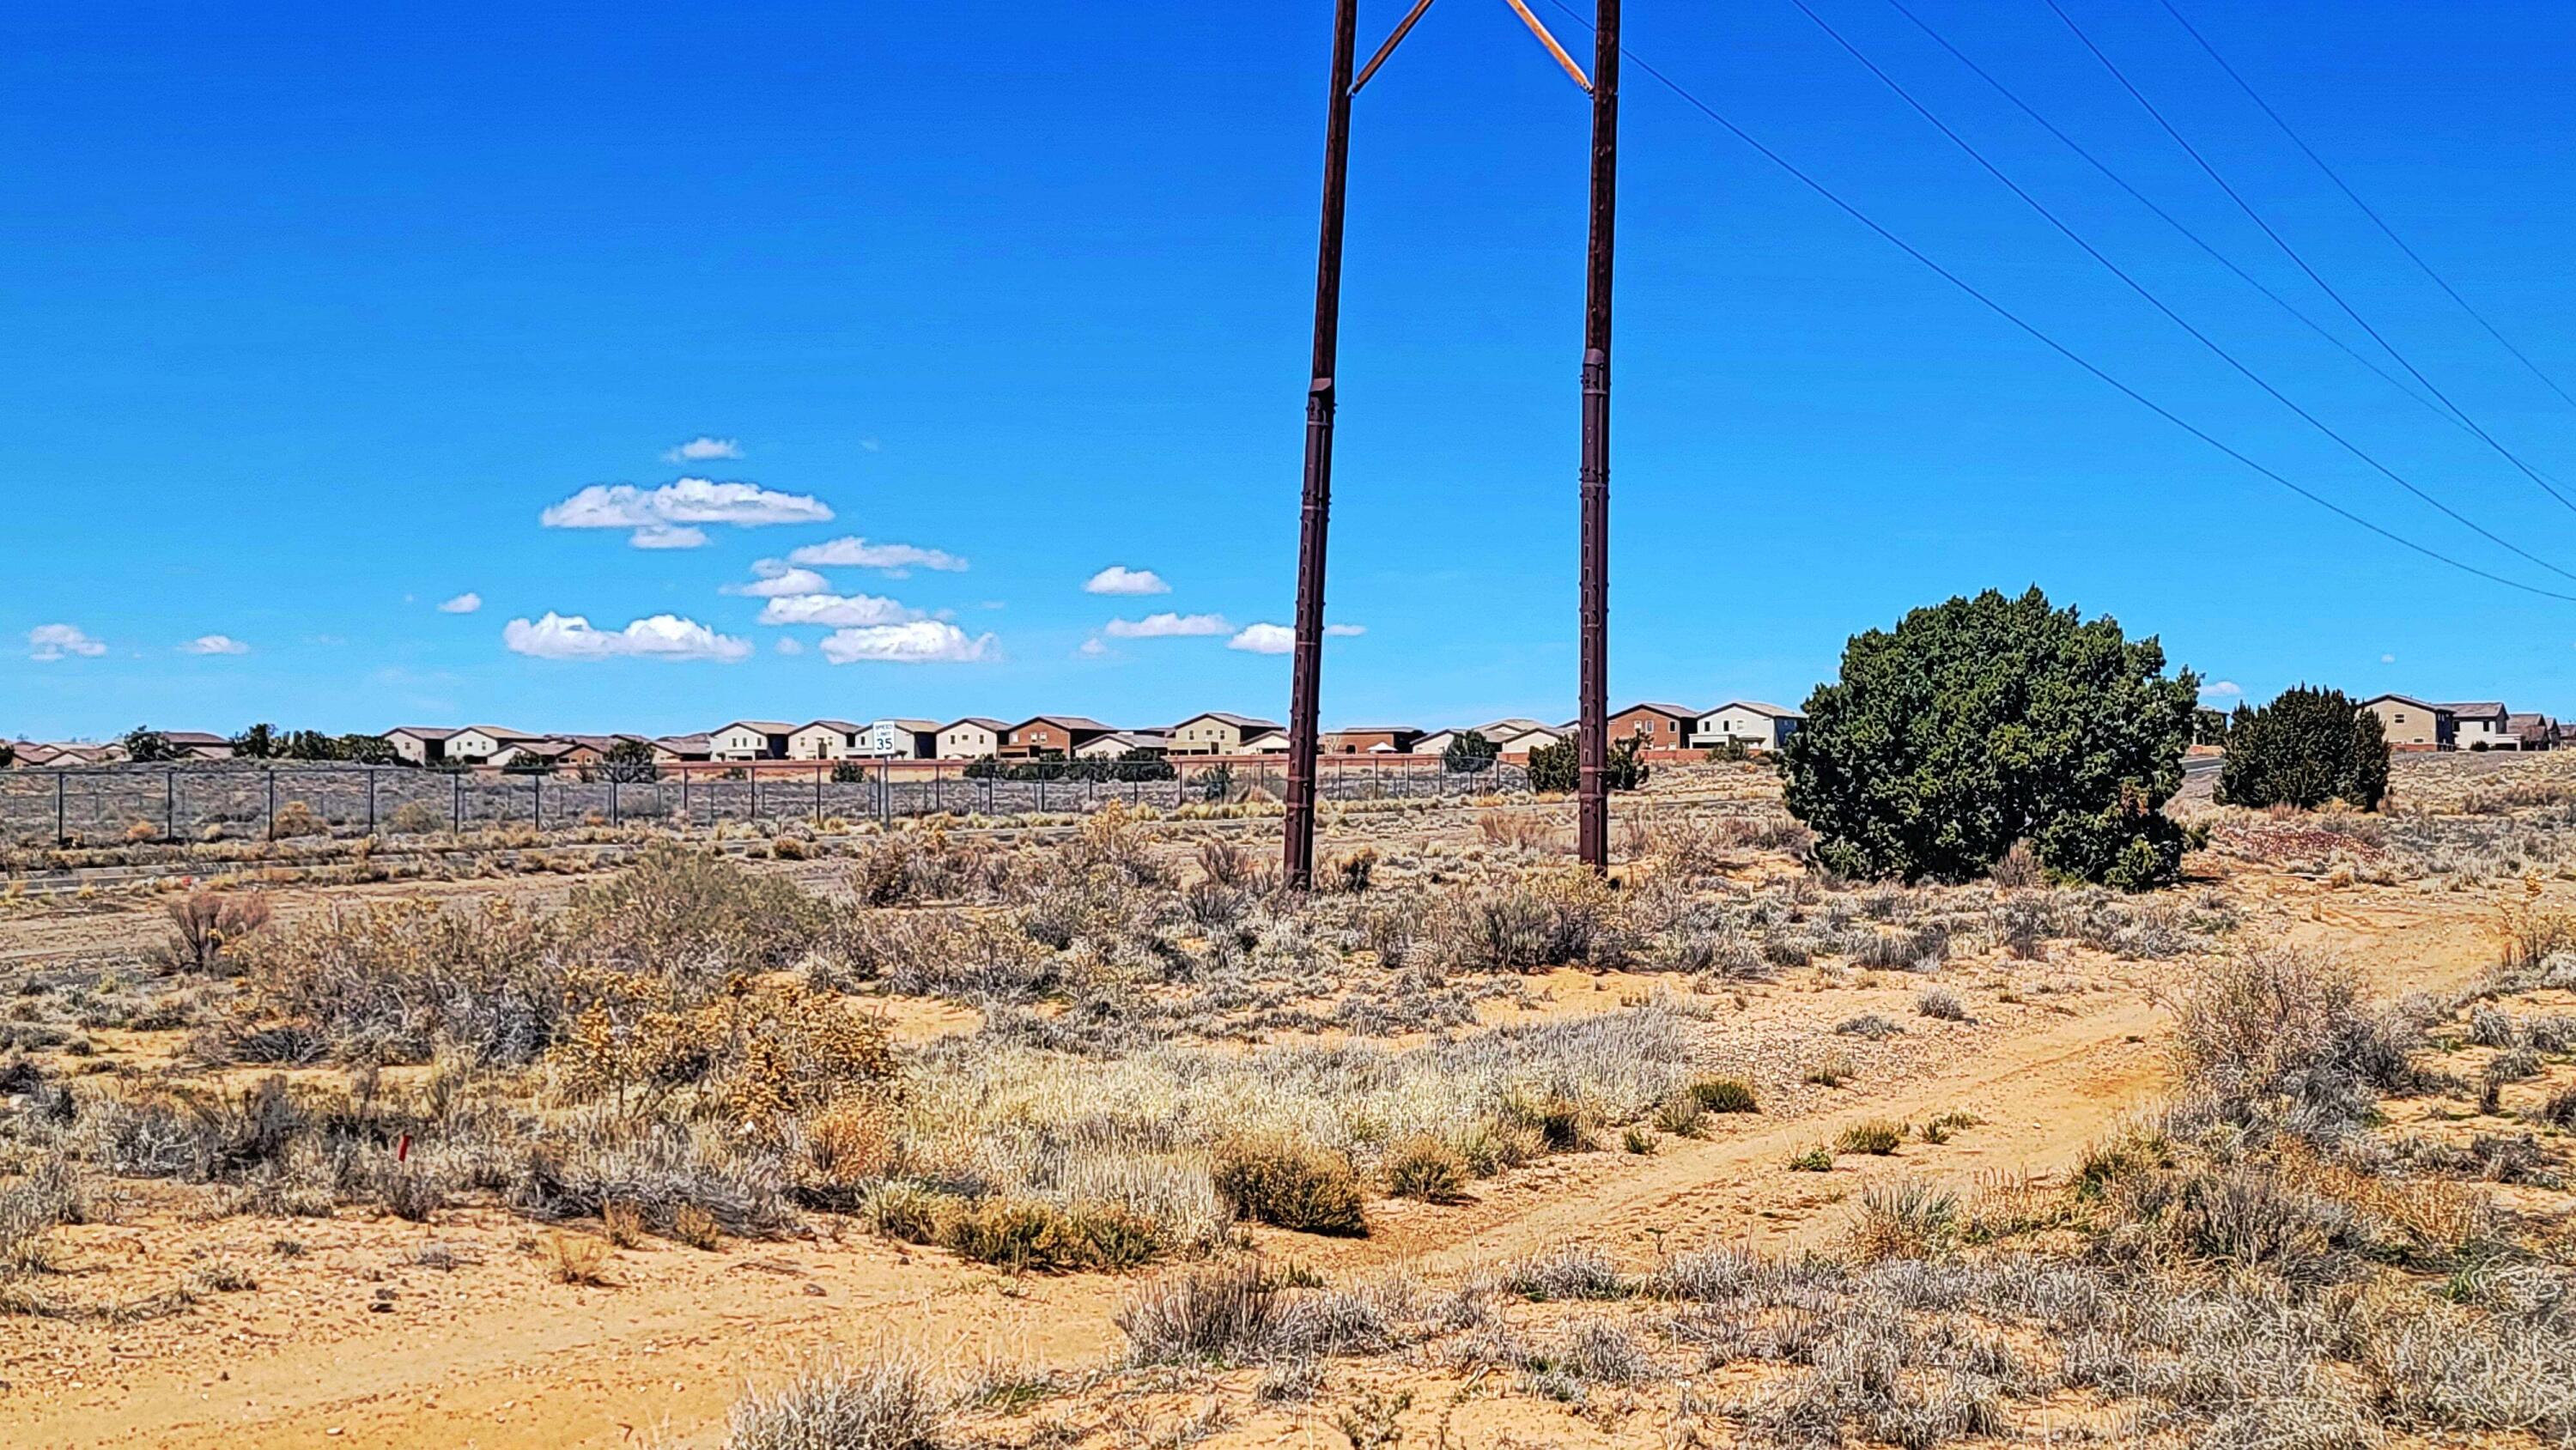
(314, 314)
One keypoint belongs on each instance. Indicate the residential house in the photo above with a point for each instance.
(420, 744)
(1120, 742)
(899, 740)
(1520, 737)
(972, 738)
(1216, 733)
(199, 745)
(2480, 725)
(1268, 742)
(557, 751)
(480, 744)
(1060, 734)
(1757, 724)
(1662, 727)
(2410, 724)
(824, 740)
(2534, 730)
(1369, 740)
(682, 749)
(750, 740)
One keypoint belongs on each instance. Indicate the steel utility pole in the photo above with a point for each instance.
(1297, 853)
(1592, 808)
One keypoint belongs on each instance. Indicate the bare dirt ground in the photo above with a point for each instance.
(362, 1328)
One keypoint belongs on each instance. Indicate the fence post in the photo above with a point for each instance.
(371, 799)
(612, 802)
(687, 818)
(751, 776)
(270, 831)
(61, 836)
(456, 804)
(170, 804)
(537, 800)
(818, 795)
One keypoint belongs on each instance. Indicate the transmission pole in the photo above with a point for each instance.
(1592, 808)
(1297, 854)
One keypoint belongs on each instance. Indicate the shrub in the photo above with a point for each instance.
(1979, 722)
(1426, 1168)
(1469, 751)
(1942, 1004)
(573, 1258)
(206, 925)
(1724, 1095)
(2307, 747)
(416, 818)
(2280, 1036)
(1284, 1181)
(884, 1403)
(1876, 1136)
(1223, 1312)
(1558, 768)
(1904, 1221)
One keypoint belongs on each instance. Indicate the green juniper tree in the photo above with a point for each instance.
(2307, 747)
(1979, 722)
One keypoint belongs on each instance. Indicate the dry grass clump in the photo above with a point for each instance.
(1876, 1136)
(885, 1402)
(573, 1258)
(928, 864)
(207, 926)
(1567, 918)
(2281, 1038)
(1280, 1180)
(1218, 1314)
(1424, 1166)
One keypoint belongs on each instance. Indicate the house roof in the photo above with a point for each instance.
(1069, 722)
(194, 737)
(2403, 700)
(499, 732)
(1138, 739)
(1762, 707)
(425, 732)
(983, 721)
(765, 727)
(681, 742)
(915, 726)
(1239, 722)
(1375, 730)
(843, 726)
(1514, 725)
(1669, 712)
(2472, 707)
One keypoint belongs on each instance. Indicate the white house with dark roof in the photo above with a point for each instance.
(899, 740)
(1217, 732)
(824, 740)
(1758, 724)
(2480, 725)
(750, 740)
(972, 738)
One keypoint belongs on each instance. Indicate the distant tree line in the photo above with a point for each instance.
(264, 741)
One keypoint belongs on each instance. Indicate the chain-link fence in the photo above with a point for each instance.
(234, 800)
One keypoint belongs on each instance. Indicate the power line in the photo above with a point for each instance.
(2045, 340)
(2158, 303)
(2169, 219)
(2292, 253)
(2366, 209)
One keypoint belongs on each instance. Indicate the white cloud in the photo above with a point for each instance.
(54, 641)
(1119, 579)
(1279, 639)
(660, 636)
(667, 536)
(702, 448)
(1092, 648)
(858, 553)
(2222, 687)
(920, 642)
(1264, 639)
(2388, 659)
(836, 609)
(774, 577)
(465, 603)
(1166, 626)
(215, 644)
(661, 516)
(789, 644)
